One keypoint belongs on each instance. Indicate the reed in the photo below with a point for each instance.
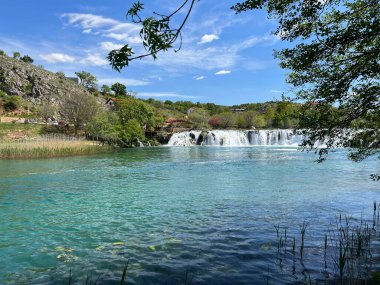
(303, 228)
(345, 250)
(124, 275)
(49, 148)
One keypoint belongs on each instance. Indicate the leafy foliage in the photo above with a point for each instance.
(200, 118)
(78, 110)
(27, 59)
(16, 55)
(105, 90)
(119, 89)
(130, 108)
(131, 131)
(87, 80)
(104, 127)
(12, 103)
(156, 34)
(47, 111)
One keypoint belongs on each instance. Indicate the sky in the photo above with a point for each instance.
(225, 58)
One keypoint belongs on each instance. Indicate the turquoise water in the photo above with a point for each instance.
(208, 213)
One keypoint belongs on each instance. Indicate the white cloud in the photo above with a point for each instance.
(208, 38)
(125, 27)
(124, 37)
(126, 81)
(166, 95)
(199, 77)
(192, 55)
(252, 41)
(275, 91)
(204, 59)
(57, 57)
(223, 57)
(108, 46)
(88, 21)
(223, 72)
(108, 27)
(95, 60)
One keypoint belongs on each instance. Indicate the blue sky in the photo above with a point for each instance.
(225, 58)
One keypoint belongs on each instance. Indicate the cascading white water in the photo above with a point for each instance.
(236, 138)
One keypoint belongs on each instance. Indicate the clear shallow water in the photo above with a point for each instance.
(207, 211)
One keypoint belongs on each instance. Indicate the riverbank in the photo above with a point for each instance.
(28, 141)
(50, 148)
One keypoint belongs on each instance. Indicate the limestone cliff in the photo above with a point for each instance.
(34, 83)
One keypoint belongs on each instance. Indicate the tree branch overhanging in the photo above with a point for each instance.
(156, 34)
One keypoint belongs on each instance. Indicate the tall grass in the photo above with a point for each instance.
(49, 148)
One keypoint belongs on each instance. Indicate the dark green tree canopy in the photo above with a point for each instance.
(27, 59)
(119, 89)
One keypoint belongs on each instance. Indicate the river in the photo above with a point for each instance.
(205, 214)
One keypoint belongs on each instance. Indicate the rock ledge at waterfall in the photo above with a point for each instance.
(235, 138)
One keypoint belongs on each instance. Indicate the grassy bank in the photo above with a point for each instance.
(50, 148)
(9, 131)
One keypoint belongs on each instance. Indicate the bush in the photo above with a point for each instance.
(199, 118)
(13, 103)
(27, 59)
(3, 94)
(16, 55)
(214, 122)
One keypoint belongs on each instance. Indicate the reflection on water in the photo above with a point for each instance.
(207, 211)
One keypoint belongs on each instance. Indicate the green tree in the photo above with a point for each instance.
(269, 114)
(131, 132)
(47, 111)
(78, 110)
(104, 127)
(200, 118)
(282, 113)
(245, 120)
(130, 108)
(27, 59)
(87, 80)
(16, 55)
(2, 53)
(119, 89)
(259, 121)
(105, 90)
(227, 119)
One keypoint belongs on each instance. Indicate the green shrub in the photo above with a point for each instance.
(3, 94)
(13, 103)
(27, 59)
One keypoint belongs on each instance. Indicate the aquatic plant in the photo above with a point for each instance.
(346, 251)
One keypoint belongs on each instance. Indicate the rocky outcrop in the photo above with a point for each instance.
(34, 83)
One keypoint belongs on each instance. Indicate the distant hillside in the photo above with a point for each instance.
(34, 83)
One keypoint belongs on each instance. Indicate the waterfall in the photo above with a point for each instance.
(236, 138)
